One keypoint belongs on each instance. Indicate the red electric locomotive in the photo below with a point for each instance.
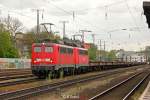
(51, 58)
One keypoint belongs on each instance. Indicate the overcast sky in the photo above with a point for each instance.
(102, 17)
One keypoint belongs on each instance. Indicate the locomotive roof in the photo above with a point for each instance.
(50, 44)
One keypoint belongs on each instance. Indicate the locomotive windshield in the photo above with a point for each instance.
(49, 49)
(37, 49)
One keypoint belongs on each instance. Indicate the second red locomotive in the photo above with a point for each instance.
(51, 58)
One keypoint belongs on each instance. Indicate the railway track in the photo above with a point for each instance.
(18, 81)
(14, 73)
(25, 93)
(15, 77)
(117, 91)
(14, 70)
(21, 79)
(135, 87)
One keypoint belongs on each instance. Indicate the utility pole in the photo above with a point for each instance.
(93, 36)
(8, 21)
(50, 28)
(38, 25)
(100, 44)
(104, 51)
(104, 45)
(64, 28)
(38, 21)
(82, 35)
(73, 37)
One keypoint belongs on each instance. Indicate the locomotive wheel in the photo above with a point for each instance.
(57, 73)
(61, 73)
(52, 75)
(42, 76)
(75, 71)
(79, 71)
(72, 71)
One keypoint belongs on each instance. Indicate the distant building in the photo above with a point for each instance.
(21, 45)
(147, 52)
(131, 56)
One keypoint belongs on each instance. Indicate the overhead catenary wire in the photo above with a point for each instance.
(108, 5)
(106, 15)
(73, 14)
(132, 16)
(70, 13)
(122, 1)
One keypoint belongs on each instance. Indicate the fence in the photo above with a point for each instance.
(14, 63)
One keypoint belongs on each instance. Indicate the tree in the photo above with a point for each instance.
(111, 55)
(92, 52)
(13, 25)
(2, 27)
(7, 49)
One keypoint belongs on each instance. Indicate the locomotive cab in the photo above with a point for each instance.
(43, 58)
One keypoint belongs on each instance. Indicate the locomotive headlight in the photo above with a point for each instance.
(47, 59)
(37, 60)
(51, 61)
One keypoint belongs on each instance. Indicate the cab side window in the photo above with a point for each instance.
(62, 50)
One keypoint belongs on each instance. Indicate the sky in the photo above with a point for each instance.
(120, 23)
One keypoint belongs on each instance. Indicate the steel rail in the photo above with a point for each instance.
(138, 85)
(15, 77)
(14, 73)
(19, 81)
(21, 94)
(113, 87)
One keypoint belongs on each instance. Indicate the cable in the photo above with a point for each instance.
(108, 5)
(130, 12)
(70, 13)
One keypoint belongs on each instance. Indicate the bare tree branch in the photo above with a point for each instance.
(12, 24)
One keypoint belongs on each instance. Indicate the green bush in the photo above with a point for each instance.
(7, 48)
